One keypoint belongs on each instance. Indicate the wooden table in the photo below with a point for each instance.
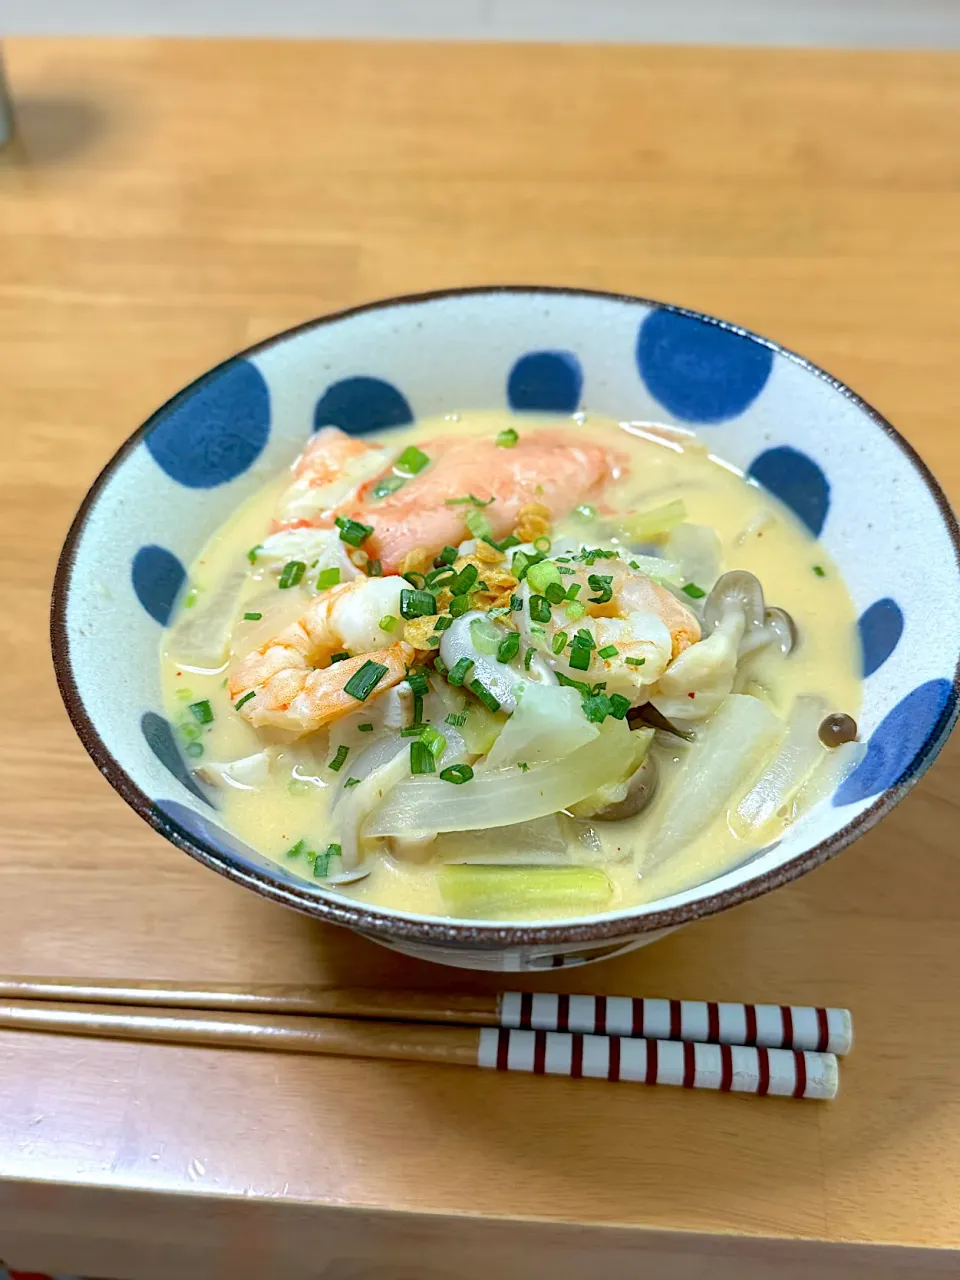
(170, 203)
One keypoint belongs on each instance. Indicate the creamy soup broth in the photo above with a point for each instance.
(289, 806)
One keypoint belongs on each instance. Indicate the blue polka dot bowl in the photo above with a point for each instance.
(844, 471)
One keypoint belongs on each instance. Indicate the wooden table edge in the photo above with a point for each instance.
(138, 1234)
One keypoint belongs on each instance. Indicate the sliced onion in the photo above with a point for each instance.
(837, 766)
(542, 842)
(799, 754)
(357, 803)
(502, 796)
(201, 635)
(548, 724)
(723, 761)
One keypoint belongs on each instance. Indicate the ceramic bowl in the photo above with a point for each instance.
(840, 466)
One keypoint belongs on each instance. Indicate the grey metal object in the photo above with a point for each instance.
(6, 108)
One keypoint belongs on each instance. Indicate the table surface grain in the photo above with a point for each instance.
(168, 203)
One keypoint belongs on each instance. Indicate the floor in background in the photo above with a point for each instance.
(929, 24)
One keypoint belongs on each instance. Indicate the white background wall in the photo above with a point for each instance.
(930, 24)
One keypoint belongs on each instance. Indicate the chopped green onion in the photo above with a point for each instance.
(202, 711)
(516, 604)
(434, 739)
(443, 623)
(541, 574)
(596, 707)
(542, 544)
(416, 578)
(511, 540)
(448, 555)
(296, 850)
(421, 758)
(417, 708)
(388, 622)
(522, 561)
(457, 774)
(246, 698)
(417, 681)
(458, 720)
(478, 524)
(414, 730)
(508, 647)
(464, 580)
(339, 657)
(191, 598)
(592, 554)
(579, 657)
(635, 662)
(352, 782)
(619, 705)
(417, 604)
(459, 605)
(439, 666)
(540, 609)
(458, 672)
(440, 577)
(363, 682)
(485, 636)
(291, 574)
(819, 570)
(602, 583)
(365, 728)
(374, 569)
(193, 749)
(352, 532)
(321, 861)
(562, 568)
(483, 693)
(501, 611)
(608, 651)
(579, 685)
(585, 638)
(528, 658)
(522, 766)
(188, 732)
(471, 498)
(575, 610)
(693, 591)
(573, 590)
(254, 552)
(252, 617)
(559, 642)
(412, 460)
(328, 578)
(388, 485)
(507, 438)
(585, 510)
(184, 695)
(555, 593)
(337, 763)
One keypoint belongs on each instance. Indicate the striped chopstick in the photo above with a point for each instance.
(785, 1073)
(770, 1026)
(728, 1068)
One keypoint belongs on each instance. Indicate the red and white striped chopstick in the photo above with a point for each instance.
(769, 1026)
(785, 1073)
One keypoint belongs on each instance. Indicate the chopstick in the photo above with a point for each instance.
(770, 1026)
(740, 1069)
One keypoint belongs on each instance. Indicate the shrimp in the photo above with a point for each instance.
(330, 470)
(550, 470)
(294, 684)
(646, 625)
